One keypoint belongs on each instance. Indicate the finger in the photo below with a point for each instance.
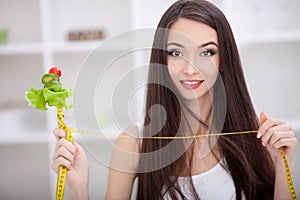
(286, 142)
(60, 161)
(80, 153)
(59, 133)
(63, 152)
(78, 147)
(262, 118)
(68, 145)
(274, 131)
(279, 135)
(270, 122)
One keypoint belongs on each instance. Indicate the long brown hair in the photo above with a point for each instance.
(248, 162)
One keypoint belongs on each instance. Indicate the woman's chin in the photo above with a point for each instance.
(197, 95)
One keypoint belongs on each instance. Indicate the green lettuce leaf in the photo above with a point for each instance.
(39, 98)
(58, 99)
(36, 98)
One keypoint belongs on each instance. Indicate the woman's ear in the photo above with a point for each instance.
(221, 68)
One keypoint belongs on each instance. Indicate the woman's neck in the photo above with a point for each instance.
(201, 108)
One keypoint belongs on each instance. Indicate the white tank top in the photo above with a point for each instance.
(214, 184)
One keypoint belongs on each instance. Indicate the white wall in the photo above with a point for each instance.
(267, 33)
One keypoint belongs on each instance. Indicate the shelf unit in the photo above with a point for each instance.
(37, 39)
(44, 42)
(267, 34)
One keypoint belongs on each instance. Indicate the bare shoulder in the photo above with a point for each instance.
(125, 155)
(123, 164)
(129, 140)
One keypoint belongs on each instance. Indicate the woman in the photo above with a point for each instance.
(196, 76)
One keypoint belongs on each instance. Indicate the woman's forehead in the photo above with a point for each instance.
(188, 31)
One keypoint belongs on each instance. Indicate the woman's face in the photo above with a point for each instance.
(193, 57)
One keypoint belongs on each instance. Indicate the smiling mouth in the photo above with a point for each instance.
(191, 84)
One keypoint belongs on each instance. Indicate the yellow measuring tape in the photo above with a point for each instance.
(75, 130)
(288, 175)
(62, 174)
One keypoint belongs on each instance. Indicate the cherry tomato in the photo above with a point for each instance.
(55, 70)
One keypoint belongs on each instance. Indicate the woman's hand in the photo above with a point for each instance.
(274, 134)
(72, 156)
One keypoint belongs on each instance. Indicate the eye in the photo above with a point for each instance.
(175, 53)
(207, 53)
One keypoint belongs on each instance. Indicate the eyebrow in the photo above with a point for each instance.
(200, 46)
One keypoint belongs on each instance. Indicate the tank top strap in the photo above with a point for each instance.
(140, 127)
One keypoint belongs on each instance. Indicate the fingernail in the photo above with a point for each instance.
(259, 134)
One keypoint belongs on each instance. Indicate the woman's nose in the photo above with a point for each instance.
(189, 68)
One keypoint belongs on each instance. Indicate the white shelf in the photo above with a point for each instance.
(87, 46)
(32, 138)
(21, 49)
(74, 47)
(66, 15)
(67, 47)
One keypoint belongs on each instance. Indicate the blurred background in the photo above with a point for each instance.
(38, 34)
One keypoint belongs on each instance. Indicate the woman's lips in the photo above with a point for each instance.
(191, 84)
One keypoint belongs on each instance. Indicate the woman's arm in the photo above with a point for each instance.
(123, 166)
(72, 156)
(124, 162)
(277, 134)
(282, 190)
